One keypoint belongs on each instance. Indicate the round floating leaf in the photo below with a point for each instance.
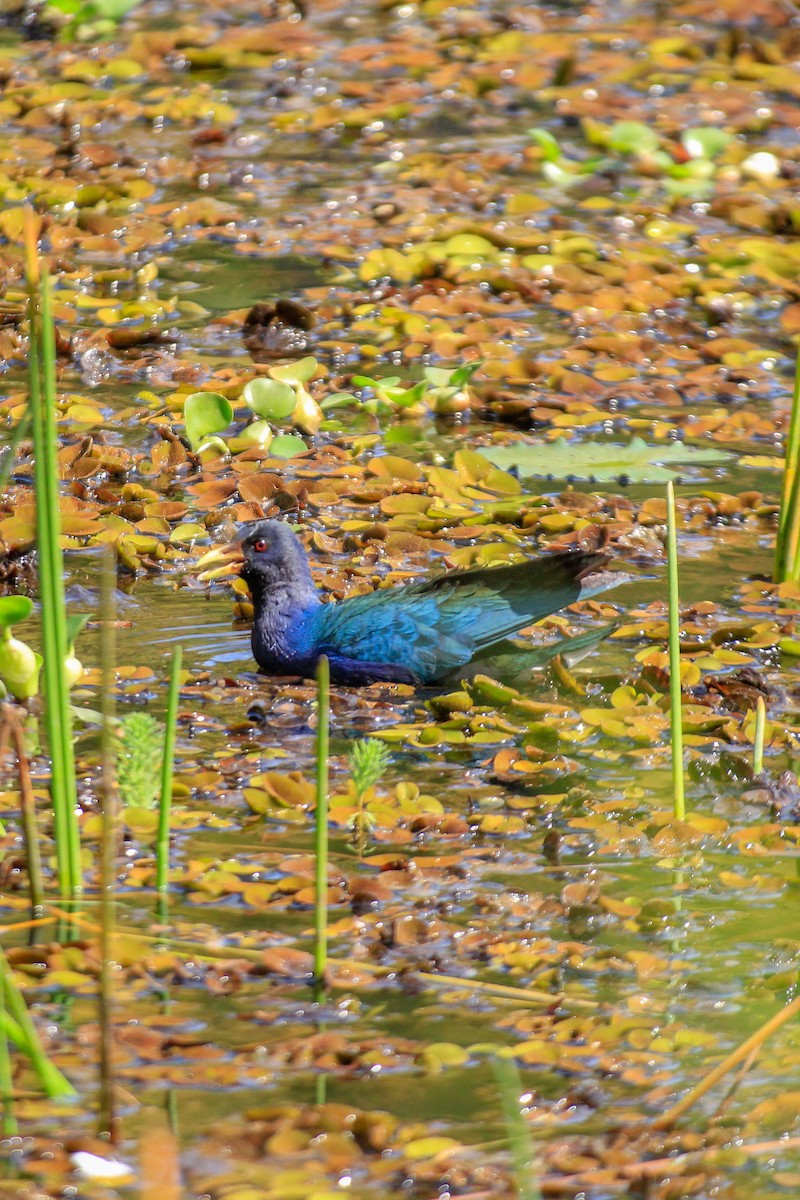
(14, 609)
(269, 399)
(635, 463)
(632, 137)
(707, 141)
(287, 445)
(205, 413)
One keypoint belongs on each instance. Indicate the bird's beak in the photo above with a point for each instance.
(222, 560)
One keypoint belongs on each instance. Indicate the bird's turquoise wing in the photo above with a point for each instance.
(434, 627)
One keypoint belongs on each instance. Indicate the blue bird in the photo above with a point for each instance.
(417, 633)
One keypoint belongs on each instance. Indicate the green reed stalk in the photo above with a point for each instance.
(58, 715)
(758, 740)
(109, 807)
(9, 1122)
(321, 824)
(18, 1021)
(520, 1142)
(167, 771)
(787, 542)
(675, 698)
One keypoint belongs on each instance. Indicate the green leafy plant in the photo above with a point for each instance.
(86, 19)
(637, 462)
(449, 389)
(275, 399)
(140, 746)
(368, 760)
(688, 171)
(386, 396)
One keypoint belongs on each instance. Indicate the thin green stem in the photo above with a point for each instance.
(27, 802)
(788, 536)
(321, 825)
(675, 697)
(108, 847)
(167, 771)
(758, 740)
(520, 1142)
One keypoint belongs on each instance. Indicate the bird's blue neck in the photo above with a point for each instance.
(281, 634)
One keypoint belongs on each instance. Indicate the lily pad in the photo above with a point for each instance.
(637, 462)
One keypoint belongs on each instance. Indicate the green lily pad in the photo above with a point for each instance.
(636, 463)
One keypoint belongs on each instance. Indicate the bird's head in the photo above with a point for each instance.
(265, 554)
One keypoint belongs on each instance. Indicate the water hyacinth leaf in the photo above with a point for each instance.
(297, 372)
(707, 141)
(204, 414)
(14, 609)
(364, 381)
(337, 400)
(287, 445)
(76, 623)
(547, 143)
(270, 399)
(637, 462)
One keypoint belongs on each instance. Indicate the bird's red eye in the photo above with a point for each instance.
(260, 546)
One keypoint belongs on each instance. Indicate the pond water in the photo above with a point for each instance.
(374, 163)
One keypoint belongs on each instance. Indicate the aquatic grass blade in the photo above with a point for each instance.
(675, 697)
(27, 802)
(167, 771)
(8, 1126)
(321, 825)
(58, 715)
(758, 739)
(109, 838)
(787, 542)
(520, 1142)
(53, 1082)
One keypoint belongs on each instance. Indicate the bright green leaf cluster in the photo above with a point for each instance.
(368, 761)
(141, 746)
